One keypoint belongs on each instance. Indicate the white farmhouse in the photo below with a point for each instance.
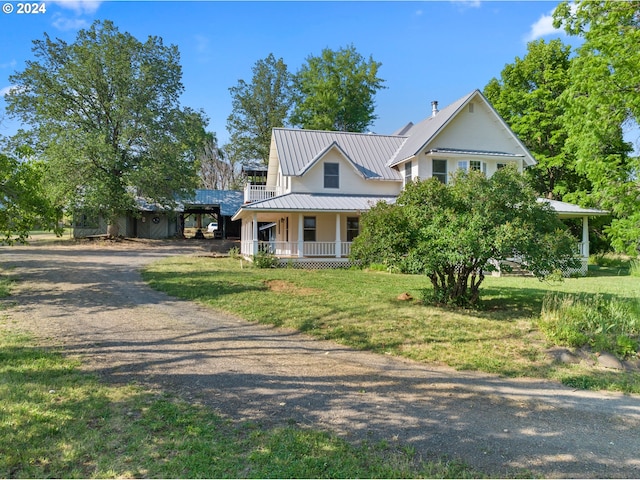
(318, 183)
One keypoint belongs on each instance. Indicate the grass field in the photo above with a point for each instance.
(361, 309)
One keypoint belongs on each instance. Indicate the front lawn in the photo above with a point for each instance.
(362, 309)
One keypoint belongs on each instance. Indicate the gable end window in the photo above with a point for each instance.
(477, 165)
(331, 175)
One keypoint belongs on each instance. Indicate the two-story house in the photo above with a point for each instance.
(318, 182)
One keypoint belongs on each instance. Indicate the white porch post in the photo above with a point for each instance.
(255, 233)
(338, 250)
(585, 237)
(300, 235)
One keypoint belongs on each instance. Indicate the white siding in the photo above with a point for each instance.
(351, 181)
(479, 130)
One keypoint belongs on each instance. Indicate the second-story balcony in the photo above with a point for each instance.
(255, 193)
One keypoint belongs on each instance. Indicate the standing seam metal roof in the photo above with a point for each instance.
(368, 152)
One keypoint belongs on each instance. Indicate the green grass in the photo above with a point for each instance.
(610, 325)
(361, 309)
(57, 422)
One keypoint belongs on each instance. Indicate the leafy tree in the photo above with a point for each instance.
(453, 232)
(528, 97)
(258, 107)
(602, 99)
(336, 91)
(106, 118)
(23, 201)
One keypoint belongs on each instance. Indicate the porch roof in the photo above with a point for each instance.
(568, 210)
(314, 202)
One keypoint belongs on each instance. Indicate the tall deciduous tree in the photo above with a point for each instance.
(336, 91)
(23, 202)
(451, 232)
(603, 98)
(258, 107)
(528, 97)
(106, 118)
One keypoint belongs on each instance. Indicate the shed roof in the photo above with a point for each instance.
(316, 202)
(229, 201)
(568, 210)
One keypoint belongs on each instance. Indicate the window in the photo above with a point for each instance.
(439, 170)
(309, 229)
(82, 220)
(331, 175)
(477, 165)
(500, 166)
(353, 228)
(408, 167)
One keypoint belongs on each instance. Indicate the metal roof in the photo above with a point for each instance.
(422, 133)
(567, 210)
(315, 202)
(419, 136)
(460, 151)
(229, 201)
(369, 153)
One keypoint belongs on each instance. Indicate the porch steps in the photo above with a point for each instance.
(517, 270)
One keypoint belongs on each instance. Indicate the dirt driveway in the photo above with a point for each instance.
(92, 301)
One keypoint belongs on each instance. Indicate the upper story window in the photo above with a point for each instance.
(331, 175)
(477, 165)
(408, 169)
(439, 170)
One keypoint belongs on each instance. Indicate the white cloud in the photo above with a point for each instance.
(10, 64)
(468, 3)
(78, 6)
(202, 43)
(542, 28)
(65, 23)
(11, 89)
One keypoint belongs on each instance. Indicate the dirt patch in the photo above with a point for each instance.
(290, 288)
(90, 301)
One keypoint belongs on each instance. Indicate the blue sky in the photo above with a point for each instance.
(433, 50)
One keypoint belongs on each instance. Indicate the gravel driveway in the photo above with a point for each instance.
(91, 300)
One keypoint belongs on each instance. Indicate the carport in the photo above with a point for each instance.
(217, 204)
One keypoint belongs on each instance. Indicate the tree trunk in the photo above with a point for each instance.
(113, 229)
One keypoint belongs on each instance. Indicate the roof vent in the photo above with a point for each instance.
(434, 108)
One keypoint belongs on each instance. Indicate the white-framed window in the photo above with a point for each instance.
(439, 169)
(477, 165)
(331, 175)
(408, 169)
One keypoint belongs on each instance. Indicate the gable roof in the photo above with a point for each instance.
(420, 135)
(369, 153)
(373, 155)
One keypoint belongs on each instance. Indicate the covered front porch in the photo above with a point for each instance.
(309, 235)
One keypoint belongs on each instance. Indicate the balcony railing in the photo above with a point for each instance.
(255, 193)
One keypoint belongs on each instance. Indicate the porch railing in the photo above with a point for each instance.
(255, 193)
(291, 249)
